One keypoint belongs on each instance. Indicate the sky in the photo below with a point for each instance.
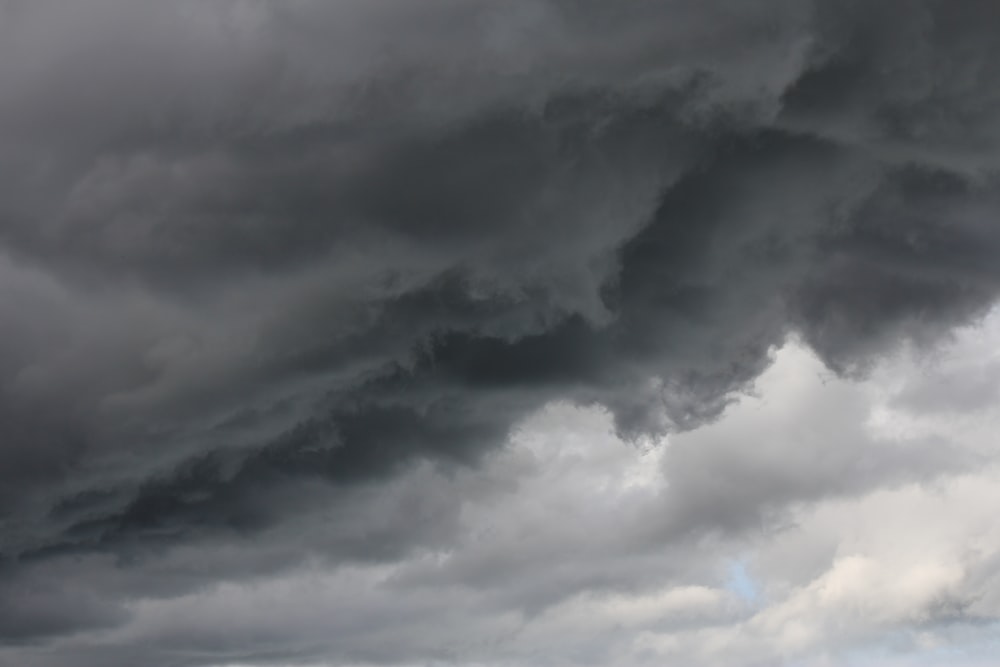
(499, 333)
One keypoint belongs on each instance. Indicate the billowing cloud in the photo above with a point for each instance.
(271, 271)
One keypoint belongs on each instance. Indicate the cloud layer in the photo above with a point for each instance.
(265, 265)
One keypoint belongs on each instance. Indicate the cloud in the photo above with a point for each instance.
(537, 554)
(260, 259)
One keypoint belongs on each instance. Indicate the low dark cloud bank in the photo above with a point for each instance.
(256, 256)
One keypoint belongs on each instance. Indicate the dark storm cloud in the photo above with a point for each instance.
(251, 246)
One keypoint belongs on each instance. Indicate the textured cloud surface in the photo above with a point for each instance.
(280, 282)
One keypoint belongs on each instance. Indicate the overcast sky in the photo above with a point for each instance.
(499, 333)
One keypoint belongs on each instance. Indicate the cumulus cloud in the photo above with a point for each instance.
(290, 272)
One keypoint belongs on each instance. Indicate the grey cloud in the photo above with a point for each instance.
(534, 553)
(807, 442)
(33, 609)
(249, 247)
